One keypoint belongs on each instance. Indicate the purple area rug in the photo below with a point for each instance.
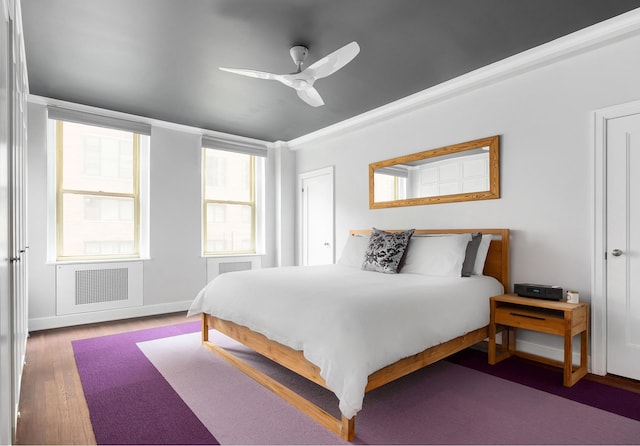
(460, 401)
(549, 380)
(129, 400)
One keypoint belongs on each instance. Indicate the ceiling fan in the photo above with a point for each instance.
(302, 80)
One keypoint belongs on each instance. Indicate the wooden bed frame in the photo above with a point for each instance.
(496, 265)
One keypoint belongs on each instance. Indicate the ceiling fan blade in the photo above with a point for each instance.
(252, 73)
(311, 96)
(333, 62)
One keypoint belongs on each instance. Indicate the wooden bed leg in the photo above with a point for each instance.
(205, 328)
(347, 430)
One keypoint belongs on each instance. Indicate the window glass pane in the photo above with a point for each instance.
(97, 159)
(389, 187)
(228, 229)
(230, 217)
(227, 176)
(98, 195)
(94, 225)
(384, 189)
(401, 188)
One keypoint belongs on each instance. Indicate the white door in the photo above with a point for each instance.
(623, 246)
(6, 308)
(317, 217)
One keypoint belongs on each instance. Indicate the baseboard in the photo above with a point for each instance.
(45, 323)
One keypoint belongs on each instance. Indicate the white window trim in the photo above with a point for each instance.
(260, 201)
(144, 249)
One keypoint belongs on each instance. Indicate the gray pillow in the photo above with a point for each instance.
(471, 254)
(386, 250)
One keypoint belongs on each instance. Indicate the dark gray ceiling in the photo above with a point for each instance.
(160, 58)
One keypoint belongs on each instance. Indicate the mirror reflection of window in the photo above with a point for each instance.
(389, 187)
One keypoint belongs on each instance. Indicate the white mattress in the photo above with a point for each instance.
(349, 322)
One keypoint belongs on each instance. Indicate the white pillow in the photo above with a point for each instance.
(437, 255)
(353, 252)
(483, 250)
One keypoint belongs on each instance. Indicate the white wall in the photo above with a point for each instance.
(175, 271)
(544, 119)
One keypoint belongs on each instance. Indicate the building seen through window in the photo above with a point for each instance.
(97, 200)
(229, 202)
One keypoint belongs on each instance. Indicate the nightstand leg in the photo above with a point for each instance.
(492, 333)
(582, 369)
(506, 348)
(492, 344)
(511, 340)
(583, 351)
(568, 360)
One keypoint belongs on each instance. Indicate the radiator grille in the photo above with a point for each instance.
(102, 285)
(221, 265)
(88, 287)
(234, 266)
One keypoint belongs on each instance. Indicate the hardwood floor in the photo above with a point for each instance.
(52, 406)
(621, 382)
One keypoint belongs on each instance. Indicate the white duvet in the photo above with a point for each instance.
(349, 322)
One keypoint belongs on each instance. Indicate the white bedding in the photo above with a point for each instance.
(349, 322)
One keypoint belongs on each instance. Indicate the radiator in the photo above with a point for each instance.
(82, 288)
(221, 265)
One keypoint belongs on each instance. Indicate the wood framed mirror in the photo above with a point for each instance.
(461, 172)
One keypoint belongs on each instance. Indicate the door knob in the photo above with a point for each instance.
(616, 253)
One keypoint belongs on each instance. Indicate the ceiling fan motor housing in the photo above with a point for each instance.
(299, 54)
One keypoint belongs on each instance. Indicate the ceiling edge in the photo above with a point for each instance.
(618, 27)
(223, 138)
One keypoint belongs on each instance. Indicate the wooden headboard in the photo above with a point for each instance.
(497, 263)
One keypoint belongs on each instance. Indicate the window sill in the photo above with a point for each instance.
(96, 261)
(226, 256)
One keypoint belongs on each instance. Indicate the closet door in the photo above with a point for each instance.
(6, 310)
(13, 233)
(18, 197)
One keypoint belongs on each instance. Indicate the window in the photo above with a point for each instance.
(232, 186)
(98, 198)
(389, 187)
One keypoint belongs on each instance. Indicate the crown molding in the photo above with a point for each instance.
(617, 28)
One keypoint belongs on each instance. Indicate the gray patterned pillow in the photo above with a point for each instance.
(386, 250)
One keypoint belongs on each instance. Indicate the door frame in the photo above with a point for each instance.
(301, 177)
(599, 232)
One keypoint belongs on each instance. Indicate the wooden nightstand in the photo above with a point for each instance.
(509, 312)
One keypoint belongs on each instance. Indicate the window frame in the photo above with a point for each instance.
(60, 193)
(396, 195)
(253, 203)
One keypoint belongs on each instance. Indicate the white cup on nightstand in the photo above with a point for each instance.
(573, 297)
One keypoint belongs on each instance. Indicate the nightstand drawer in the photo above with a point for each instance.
(545, 321)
